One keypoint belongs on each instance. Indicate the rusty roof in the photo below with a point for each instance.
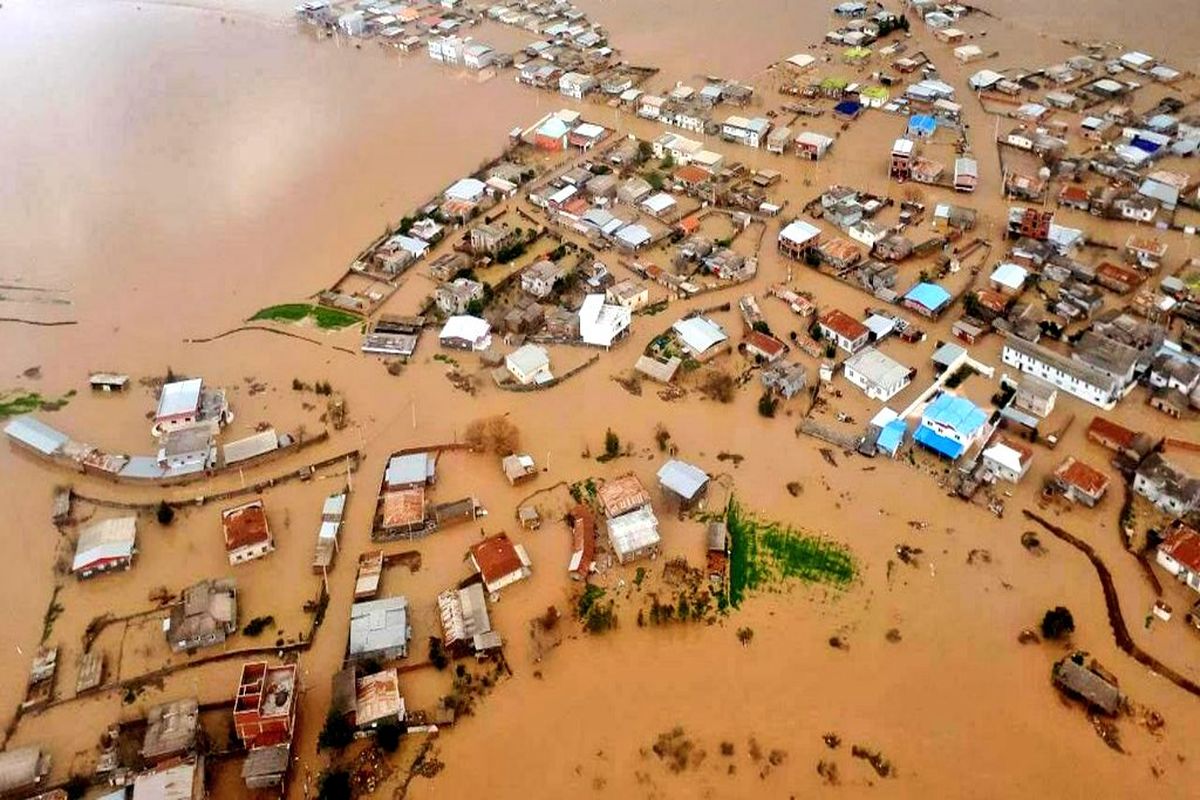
(1083, 477)
(404, 507)
(496, 557)
(245, 525)
(1117, 434)
(622, 494)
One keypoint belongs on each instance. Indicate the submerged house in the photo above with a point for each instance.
(204, 616)
(950, 425)
(499, 562)
(684, 482)
(105, 545)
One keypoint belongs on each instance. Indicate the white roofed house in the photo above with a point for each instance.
(576, 85)
(684, 482)
(877, 374)
(529, 364)
(812, 145)
(104, 546)
(332, 511)
(379, 629)
(601, 324)
(466, 333)
(659, 204)
(699, 334)
(466, 628)
(750, 132)
(477, 55)
(634, 535)
(798, 238)
(1007, 460)
(186, 403)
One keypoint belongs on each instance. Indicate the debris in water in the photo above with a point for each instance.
(828, 772)
(1029, 636)
(979, 556)
(882, 767)
(827, 454)
(908, 554)
(893, 635)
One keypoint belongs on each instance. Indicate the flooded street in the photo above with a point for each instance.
(174, 167)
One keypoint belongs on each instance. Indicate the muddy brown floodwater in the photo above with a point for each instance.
(169, 168)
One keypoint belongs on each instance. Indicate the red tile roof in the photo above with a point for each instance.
(1183, 545)
(1119, 435)
(1089, 480)
(690, 173)
(843, 324)
(767, 345)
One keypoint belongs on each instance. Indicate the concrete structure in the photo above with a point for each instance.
(247, 533)
(1007, 460)
(204, 616)
(950, 425)
(1080, 482)
(529, 364)
(1073, 377)
(877, 374)
(1179, 554)
(843, 330)
(499, 562)
(466, 333)
(602, 324)
(1167, 486)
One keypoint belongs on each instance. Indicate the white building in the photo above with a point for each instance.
(878, 375)
(634, 535)
(465, 332)
(576, 85)
(750, 132)
(1073, 377)
(529, 363)
(600, 323)
(1007, 461)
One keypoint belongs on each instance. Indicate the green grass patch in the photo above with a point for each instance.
(326, 318)
(14, 404)
(765, 554)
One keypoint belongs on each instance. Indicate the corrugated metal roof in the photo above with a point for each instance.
(682, 478)
(36, 434)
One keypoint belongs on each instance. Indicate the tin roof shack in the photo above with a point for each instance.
(466, 628)
(22, 768)
(1167, 486)
(264, 716)
(247, 534)
(499, 562)
(1179, 554)
(182, 780)
(1073, 678)
(377, 700)
(583, 542)
(204, 616)
(108, 381)
(717, 555)
(632, 526)
(332, 511)
(407, 470)
(1079, 482)
(685, 483)
(370, 570)
(379, 629)
(106, 545)
(171, 729)
(402, 514)
(518, 468)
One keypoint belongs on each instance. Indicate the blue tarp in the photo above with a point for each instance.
(1145, 145)
(922, 125)
(939, 444)
(848, 108)
(892, 436)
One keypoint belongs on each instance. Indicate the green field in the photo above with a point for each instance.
(13, 404)
(765, 554)
(327, 318)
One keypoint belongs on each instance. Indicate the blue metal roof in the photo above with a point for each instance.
(929, 295)
(848, 108)
(892, 436)
(955, 412)
(941, 445)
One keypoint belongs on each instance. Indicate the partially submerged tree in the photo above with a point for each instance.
(1057, 623)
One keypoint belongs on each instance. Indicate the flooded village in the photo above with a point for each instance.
(435, 372)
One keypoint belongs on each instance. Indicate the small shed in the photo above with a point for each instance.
(684, 482)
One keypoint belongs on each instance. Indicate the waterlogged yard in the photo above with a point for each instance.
(764, 554)
(326, 318)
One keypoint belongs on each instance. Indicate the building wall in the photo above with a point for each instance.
(244, 554)
(1067, 383)
(873, 390)
(1185, 575)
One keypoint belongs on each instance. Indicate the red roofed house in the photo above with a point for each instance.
(583, 537)
(500, 562)
(1118, 278)
(1118, 438)
(844, 330)
(1080, 483)
(264, 716)
(1179, 554)
(1073, 196)
(247, 534)
(691, 176)
(761, 345)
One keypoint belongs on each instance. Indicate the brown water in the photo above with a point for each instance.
(174, 168)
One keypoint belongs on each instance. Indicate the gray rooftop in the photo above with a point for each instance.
(35, 434)
(379, 625)
(682, 478)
